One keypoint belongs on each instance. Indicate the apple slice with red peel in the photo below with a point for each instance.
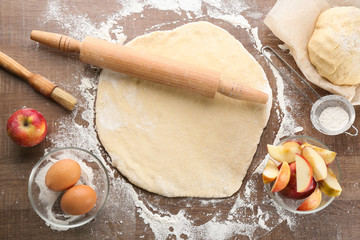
(282, 179)
(304, 173)
(330, 185)
(270, 172)
(311, 202)
(316, 161)
(285, 152)
(290, 191)
(326, 154)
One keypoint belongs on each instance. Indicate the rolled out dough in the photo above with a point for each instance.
(176, 143)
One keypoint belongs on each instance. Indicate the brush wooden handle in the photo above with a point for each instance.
(146, 66)
(38, 82)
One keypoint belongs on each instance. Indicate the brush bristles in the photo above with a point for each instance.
(64, 98)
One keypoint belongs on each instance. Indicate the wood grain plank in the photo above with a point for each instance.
(18, 220)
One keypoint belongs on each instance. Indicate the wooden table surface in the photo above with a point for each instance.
(341, 220)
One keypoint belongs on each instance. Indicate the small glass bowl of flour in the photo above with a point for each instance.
(46, 202)
(332, 115)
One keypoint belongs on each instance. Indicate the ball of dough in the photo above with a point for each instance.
(334, 47)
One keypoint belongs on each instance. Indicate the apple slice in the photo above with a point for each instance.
(291, 144)
(316, 161)
(290, 191)
(270, 172)
(311, 202)
(330, 185)
(304, 173)
(283, 178)
(285, 152)
(326, 154)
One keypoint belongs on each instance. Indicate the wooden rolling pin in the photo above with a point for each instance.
(38, 82)
(157, 69)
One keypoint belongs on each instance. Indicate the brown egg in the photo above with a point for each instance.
(63, 175)
(78, 200)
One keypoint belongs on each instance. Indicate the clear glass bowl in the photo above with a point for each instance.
(46, 202)
(292, 204)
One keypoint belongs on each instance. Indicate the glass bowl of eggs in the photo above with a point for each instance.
(302, 174)
(68, 187)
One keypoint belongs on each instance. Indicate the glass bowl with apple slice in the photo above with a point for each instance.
(302, 174)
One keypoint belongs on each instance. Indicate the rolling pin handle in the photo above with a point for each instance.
(58, 41)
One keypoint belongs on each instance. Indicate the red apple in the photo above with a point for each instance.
(27, 127)
(290, 191)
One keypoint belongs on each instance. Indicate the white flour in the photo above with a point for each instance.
(334, 118)
(288, 126)
(250, 211)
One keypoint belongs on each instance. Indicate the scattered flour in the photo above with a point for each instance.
(251, 210)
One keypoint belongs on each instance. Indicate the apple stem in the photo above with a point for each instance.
(26, 121)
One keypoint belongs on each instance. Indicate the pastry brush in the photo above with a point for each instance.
(38, 82)
(150, 67)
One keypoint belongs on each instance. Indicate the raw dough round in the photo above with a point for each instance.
(334, 47)
(176, 143)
